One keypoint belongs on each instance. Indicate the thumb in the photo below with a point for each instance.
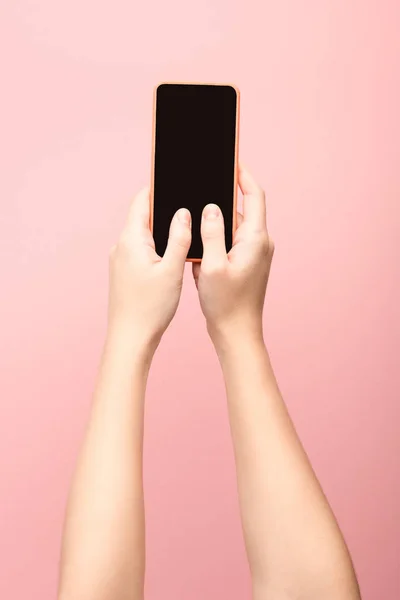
(180, 237)
(213, 236)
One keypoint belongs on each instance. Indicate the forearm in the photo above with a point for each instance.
(294, 545)
(103, 551)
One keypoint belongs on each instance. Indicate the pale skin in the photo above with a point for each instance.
(294, 546)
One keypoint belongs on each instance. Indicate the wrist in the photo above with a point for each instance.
(242, 353)
(130, 339)
(236, 336)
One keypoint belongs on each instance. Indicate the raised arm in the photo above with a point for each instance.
(103, 550)
(294, 546)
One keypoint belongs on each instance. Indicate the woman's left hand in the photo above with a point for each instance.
(145, 288)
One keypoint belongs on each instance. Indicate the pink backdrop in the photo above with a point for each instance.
(320, 128)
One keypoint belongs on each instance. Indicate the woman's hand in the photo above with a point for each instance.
(144, 288)
(232, 287)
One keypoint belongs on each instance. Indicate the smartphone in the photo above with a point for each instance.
(195, 156)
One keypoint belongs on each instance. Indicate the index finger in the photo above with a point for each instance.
(254, 211)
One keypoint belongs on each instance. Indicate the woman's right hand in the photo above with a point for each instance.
(232, 286)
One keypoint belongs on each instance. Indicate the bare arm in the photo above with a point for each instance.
(103, 547)
(103, 551)
(294, 546)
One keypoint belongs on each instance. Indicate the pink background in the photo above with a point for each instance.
(320, 128)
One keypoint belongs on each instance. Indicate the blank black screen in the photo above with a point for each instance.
(194, 157)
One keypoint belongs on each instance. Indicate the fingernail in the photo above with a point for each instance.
(211, 211)
(184, 216)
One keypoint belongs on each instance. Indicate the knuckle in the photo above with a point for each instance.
(212, 231)
(214, 269)
(271, 246)
(182, 239)
(267, 245)
(125, 243)
(208, 235)
(261, 192)
(263, 241)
